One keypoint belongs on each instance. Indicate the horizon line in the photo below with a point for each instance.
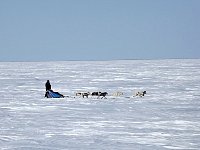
(95, 60)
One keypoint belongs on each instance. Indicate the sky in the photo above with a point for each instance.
(57, 30)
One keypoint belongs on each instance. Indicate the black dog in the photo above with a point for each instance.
(99, 94)
(141, 93)
(103, 95)
(95, 93)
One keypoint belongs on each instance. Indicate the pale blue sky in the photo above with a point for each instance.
(43, 30)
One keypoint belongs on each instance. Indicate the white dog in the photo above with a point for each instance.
(117, 93)
(83, 94)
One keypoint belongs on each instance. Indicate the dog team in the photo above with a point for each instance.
(51, 94)
(104, 94)
(98, 94)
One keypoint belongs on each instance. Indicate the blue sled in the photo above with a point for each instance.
(52, 94)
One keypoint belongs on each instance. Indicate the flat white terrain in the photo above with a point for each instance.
(167, 117)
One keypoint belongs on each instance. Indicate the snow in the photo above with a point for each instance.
(167, 117)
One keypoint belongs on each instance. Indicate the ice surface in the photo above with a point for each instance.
(168, 117)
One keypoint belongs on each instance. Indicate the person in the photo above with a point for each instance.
(48, 85)
(50, 93)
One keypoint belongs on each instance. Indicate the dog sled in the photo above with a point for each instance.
(52, 94)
